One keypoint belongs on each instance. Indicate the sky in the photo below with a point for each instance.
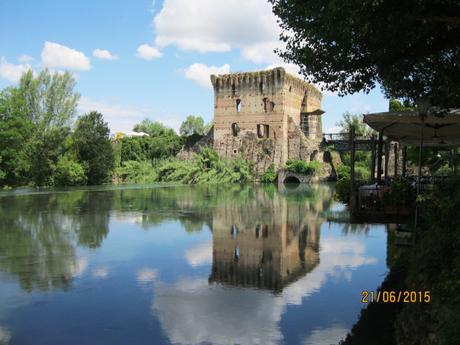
(141, 59)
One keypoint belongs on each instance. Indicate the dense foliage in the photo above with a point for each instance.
(411, 48)
(194, 125)
(205, 167)
(354, 120)
(37, 144)
(93, 146)
(269, 175)
(302, 167)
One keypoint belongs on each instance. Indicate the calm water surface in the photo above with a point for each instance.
(183, 265)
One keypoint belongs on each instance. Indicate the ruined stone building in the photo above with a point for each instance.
(268, 116)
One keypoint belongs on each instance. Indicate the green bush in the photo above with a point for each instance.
(69, 172)
(301, 167)
(401, 192)
(136, 172)
(207, 167)
(343, 171)
(270, 175)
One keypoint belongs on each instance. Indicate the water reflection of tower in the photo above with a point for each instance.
(266, 245)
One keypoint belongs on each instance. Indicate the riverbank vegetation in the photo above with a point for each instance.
(431, 264)
(40, 143)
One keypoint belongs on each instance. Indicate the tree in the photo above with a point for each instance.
(50, 105)
(355, 120)
(50, 99)
(193, 125)
(15, 131)
(410, 47)
(94, 149)
(153, 128)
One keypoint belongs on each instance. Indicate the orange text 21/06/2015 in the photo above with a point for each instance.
(395, 296)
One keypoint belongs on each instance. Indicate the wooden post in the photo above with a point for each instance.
(387, 156)
(379, 157)
(352, 169)
(396, 154)
(404, 161)
(420, 151)
(373, 156)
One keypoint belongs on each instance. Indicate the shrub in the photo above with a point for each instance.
(136, 172)
(401, 192)
(270, 175)
(301, 167)
(69, 173)
(207, 167)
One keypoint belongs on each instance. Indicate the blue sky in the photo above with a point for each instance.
(136, 59)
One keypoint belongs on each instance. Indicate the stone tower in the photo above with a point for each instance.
(268, 116)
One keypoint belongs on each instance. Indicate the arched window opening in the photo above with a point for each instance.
(238, 105)
(235, 129)
(263, 131)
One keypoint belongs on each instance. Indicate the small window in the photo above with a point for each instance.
(265, 231)
(238, 105)
(261, 87)
(260, 131)
(233, 90)
(269, 106)
(236, 254)
(234, 231)
(235, 129)
(263, 131)
(290, 88)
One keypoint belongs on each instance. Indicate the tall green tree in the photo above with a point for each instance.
(51, 104)
(410, 47)
(35, 125)
(193, 125)
(153, 128)
(15, 131)
(354, 120)
(94, 149)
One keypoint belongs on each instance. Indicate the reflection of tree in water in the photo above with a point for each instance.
(39, 235)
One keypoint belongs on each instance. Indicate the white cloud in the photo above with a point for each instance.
(101, 273)
(200, 73)
(25, 58)
(199, 255)
(12, 72)
(219, 26)
(5, 336)
(147, 52)
(80, 266)
(146, 275)
(104, 54)
(58, 56)
(124, 117)
(327, 336)
(289, 67)
(192, 311)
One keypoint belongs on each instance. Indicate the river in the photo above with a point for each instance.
(183, 265)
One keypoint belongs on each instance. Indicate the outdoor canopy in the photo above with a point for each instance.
(441, 127)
